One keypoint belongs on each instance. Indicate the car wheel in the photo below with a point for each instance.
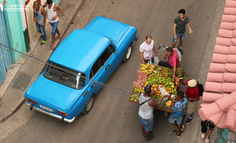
(127, 54)
(88, 105)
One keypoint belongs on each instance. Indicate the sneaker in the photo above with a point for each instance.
(203, 135)
(188, 120)
(180, 49)
(207, 140)
(43, 42)
(182, 128)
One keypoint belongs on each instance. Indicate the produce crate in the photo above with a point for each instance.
(157, 107)
(155, 75)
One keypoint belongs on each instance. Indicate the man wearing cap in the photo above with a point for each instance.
(145, 112)
(193, 95)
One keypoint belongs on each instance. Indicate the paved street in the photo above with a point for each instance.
(113, 119)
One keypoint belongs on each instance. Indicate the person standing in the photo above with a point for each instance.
(207, 126)
(146, 50)
(180, 23)
(53, 11)
(173, 60)
(40, 20)
(178, 110)
(145, 112)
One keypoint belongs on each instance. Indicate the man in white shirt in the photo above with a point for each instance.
(145, 112)
(146, 50)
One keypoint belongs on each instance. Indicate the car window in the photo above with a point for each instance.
(64, 75)
(102, 60)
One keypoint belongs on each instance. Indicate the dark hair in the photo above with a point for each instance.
(169, 49)
(36, 3)
(181, 11)
(148, 36)
(180, 94)
(148, 89)
(49, 1)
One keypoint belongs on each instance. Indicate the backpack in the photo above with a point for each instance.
(201, 88)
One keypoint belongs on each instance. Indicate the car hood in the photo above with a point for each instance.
(52, 94)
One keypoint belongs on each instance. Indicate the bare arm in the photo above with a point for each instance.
(141, 55)
(174, 70)
(34, 15)
(58, 10)
(189, 28)
(45, 4)
(155, 50)
(175, 31)
(44, 16)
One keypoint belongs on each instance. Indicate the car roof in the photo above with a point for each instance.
(109, 28)
(79, 50)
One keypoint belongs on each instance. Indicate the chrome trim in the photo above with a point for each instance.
(51, 114)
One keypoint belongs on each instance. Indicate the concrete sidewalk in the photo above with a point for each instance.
(22, 74)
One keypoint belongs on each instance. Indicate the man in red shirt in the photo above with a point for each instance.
(173, 60)
(193, 95)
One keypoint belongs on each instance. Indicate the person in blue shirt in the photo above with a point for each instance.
(178, 110)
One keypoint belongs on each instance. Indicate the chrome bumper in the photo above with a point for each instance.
(51, 114)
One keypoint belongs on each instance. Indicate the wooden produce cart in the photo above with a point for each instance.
(155, 75)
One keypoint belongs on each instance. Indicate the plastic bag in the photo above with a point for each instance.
(163, 91)
(150, 61)
(156, 60)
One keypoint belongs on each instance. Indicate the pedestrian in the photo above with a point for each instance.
(178, 110)
(40, 20)
(145, 112)
(207, 126)
(53, 11)
(193, 95)
(180, 23)
(173, 60)
(146, 50)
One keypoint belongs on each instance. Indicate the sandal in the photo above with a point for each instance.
(52, 47)
(178, 135)
(150, 138)
(57, 38)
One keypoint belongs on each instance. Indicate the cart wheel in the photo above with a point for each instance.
(88, 105)
(127, 54)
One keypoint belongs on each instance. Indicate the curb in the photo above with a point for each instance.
(23, 59)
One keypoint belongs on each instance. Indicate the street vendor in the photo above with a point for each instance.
(145, 112)
(173, 60)
(177, 111)
(146, 50)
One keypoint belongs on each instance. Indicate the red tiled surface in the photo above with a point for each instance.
(219, 98)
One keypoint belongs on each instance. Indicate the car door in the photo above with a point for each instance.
(103, 68)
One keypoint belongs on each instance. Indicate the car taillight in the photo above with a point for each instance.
(62, 113)
(31, 101)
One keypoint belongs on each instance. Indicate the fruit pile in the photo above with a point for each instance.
(156, 76)
(147, 68)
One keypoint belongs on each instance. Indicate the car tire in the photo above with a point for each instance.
(127, 54)
(88, 106)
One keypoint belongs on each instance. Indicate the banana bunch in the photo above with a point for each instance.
(147, 68)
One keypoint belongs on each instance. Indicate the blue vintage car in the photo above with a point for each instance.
(76, 70)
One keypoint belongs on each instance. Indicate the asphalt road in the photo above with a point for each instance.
(113, 119)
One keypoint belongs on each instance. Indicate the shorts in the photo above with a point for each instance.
(146, 123)
(173, 119)
(179, 36)
(205, 125)
(54, 27)
(191, 107)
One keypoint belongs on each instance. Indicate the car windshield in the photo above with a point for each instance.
(65, 76)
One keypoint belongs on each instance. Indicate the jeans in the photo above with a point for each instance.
(41, 30)
(54, 27)
(180, 36)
